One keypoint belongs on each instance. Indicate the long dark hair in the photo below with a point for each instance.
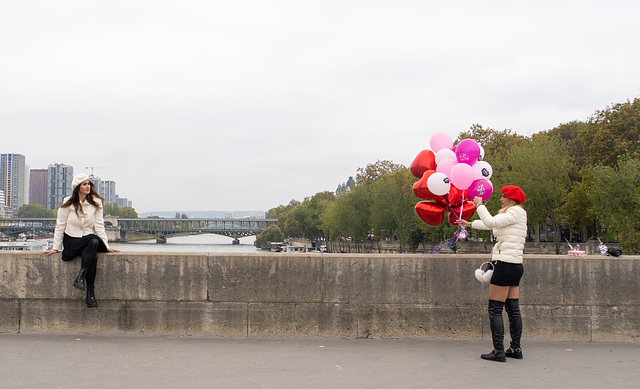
(75, 198)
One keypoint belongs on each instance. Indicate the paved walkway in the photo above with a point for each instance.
(81, 361)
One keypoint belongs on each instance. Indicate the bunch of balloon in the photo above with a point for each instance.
(450, 177)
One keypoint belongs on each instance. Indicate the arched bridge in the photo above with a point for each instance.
(117, 228)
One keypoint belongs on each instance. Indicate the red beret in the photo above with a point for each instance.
(514, 193)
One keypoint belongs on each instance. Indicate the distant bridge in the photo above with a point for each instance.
(118, 228)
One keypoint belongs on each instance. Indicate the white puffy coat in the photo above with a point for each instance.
(509, 228)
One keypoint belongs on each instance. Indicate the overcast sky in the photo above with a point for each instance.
(245, 105)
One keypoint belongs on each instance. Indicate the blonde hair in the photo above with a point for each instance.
(510, 204)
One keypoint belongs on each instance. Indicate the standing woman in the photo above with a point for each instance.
(509, 227)
(80, 230)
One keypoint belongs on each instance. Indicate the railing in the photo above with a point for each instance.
(235, 226)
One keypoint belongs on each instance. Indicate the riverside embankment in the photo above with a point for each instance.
(593, 298)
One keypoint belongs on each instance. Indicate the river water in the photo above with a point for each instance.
(204, 243)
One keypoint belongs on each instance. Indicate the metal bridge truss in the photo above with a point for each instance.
(235, 228)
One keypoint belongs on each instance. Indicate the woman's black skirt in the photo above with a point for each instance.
(506, 273)
(72, 247)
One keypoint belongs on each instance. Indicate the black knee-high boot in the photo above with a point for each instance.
(80, 280)
(515, 328)
(497, 332)
(91, 298)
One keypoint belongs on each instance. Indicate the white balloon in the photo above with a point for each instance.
(482, 170)
(445, 154)
(481, 157)
(438, 184)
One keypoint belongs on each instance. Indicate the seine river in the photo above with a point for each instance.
(204, 243)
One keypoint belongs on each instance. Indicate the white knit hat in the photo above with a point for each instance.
(79, 179)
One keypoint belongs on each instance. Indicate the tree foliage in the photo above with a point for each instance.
(35, 211)
(374, 171)
(125, 212)
(272, 233)
(577, 174)
(540, 168)
(615, 200)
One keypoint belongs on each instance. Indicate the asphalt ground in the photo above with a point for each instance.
(88, 361)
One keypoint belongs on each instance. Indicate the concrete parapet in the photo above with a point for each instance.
(591, 298)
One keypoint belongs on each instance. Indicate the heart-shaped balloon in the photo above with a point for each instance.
(421, 189)
(431, 213)
(467, 211)
(425, 160)
(456, 196)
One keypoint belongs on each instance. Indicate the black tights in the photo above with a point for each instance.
(90, 260)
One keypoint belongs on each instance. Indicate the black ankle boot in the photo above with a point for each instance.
(515, 328)
(495, 355)
(497, 332)
(513, 353)
(80, 280)
(91, 298)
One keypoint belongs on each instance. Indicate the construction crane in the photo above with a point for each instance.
(94, 167)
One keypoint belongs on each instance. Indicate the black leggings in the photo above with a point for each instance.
(90, 260)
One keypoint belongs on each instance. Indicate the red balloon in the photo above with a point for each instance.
(430, 213)
(456, 196)
(467, 211)
(420, 188)
(425, 160)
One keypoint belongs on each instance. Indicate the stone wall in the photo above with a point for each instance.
(593, 298)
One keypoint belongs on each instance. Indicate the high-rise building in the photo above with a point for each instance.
(123, 202)
(59, 178)
(38, 186)
(14, 181)
(108, 191)
(4, 210)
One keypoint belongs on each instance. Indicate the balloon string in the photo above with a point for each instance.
(451, 243)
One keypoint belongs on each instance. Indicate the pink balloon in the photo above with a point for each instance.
(461, 175)
(445, 166)
(439, 141)
(468, 151)
(482, 188)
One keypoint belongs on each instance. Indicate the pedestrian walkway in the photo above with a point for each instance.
(81, 361)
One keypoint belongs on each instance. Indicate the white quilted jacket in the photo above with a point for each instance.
(509, 228)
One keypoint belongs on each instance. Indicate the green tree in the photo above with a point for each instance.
(540, 168)
(615, 199)
(128, 213)
(392, 211)
(286, 220)
(272, 233)
(35, 211)
(111, 209)
(374, 171)
(496, 144)
(184, 216)
(613, 132)
(308, 215)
